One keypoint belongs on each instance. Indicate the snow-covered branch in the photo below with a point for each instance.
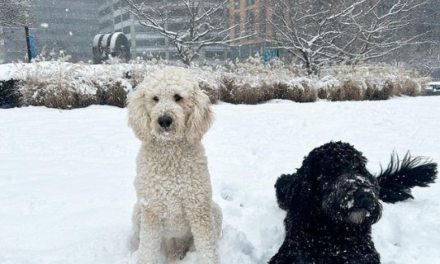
(319, 33)
(196, 23)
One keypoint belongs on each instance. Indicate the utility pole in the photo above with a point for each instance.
(28, 43)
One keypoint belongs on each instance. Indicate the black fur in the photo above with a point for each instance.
(332, 201)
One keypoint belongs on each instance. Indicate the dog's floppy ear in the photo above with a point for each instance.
(201, 116)
(285, 190)
(138, 118)
(294, 191)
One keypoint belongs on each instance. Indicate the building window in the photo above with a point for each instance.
(126, 30)
(158, 55)
(237, 4)
(105, 11)
(106, 24)
(116, 6)
(250, 2)
(237, 25)
(143, 29)
(215, 54)
(174, 56)
(153, 42)
(176, 27)
(263, 21)
(125, 16)
(250, 21)
(277, 20)
(124, 3)
(246, 51)
(100, 2)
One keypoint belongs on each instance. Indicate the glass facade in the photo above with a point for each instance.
(146, 42)
(60, 26)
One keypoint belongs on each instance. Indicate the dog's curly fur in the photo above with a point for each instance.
(332, 201)
(174, 209)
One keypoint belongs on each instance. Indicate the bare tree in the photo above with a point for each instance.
(189, 24)
(320, 32)
(424, 58)
(14, 13)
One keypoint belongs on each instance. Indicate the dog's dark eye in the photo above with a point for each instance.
(156, 99)
(177, 98)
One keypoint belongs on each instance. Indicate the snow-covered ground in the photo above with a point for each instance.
(66, 191)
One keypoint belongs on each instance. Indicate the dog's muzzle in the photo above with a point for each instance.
(165, 122)
(364, 202)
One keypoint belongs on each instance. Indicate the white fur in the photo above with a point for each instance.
(174, 211)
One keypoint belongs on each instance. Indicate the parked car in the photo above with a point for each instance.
(432, 88)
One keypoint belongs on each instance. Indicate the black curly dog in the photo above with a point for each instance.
(332, 201)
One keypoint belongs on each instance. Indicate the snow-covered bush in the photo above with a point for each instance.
(371, 82)
(60, 84)
(232, 92)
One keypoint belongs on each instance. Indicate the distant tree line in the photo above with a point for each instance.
(317, 33)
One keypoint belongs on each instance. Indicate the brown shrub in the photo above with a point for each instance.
(242, 94)
(323, 93)
(408, 87)
(114, 94)
(67, 86)
(302, 94)
(281, 91)
(213, 94)
(60, 98)
(348, 91)
(245, 94)
(374, 93)
(352, 91)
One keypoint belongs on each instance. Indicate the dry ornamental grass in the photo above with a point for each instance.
(67, 86)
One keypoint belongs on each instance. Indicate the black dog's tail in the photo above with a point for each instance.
(402, 175)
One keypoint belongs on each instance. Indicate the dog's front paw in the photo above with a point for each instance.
(146, 259)
(143, 261)
(210, 257)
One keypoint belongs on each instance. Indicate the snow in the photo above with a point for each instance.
(66, 177)
(6, 71)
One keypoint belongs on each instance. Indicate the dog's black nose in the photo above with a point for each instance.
(165, 121)
(364, 198)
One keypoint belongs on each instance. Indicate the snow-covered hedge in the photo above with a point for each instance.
(66, 85)
(59, 84)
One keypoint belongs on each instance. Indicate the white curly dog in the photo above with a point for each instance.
(174, 210)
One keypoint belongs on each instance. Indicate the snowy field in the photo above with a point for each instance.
(66, 177)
